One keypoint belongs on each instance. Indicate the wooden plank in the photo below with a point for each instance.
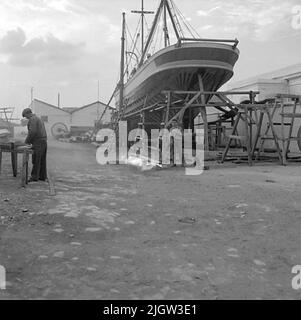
(238, 117)
(14, 160)
(212, 92)
(23, 170)
(295, 138)
(274, 132)
(291, 115)
(52, 191)
(284, 95)
(27, 160)
(258, 131)
(279, 124)
(168, 106)
(247, 128)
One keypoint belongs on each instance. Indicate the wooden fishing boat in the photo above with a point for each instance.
(180, 66)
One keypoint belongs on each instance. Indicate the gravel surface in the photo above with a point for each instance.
(115, 232)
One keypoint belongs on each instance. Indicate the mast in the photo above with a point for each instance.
(165, 28)
(162, 3)
(172, 19)
(121, 82)
(142, 25)
(142, 12)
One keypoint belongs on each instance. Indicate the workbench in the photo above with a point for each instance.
(14, 150)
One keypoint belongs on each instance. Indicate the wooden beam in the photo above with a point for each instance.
(168, 106)
(182, 111)
(212, 92)
(204, 114)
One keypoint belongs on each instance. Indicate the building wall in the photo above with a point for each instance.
(86, 116)
(51, 115)
(267, 89)
(295, 85)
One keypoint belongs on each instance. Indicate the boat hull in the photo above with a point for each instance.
(178, 68)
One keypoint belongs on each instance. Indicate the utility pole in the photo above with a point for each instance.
(31, 94)
(98, 91)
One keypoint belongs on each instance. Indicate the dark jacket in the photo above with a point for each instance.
(36, 130)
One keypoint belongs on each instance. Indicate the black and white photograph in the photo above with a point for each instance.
(150, 150)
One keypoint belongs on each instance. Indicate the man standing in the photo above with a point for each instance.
(37, 137)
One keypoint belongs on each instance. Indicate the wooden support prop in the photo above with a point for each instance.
(274, 134)
(212, 92)
(204, 114)
(14, 160)
(14, 151)
(257, 135)
(168, 106)
(238, 117)
(248, 136)
(294, 115)
(291, 115)
(24, 169)
(0, 159)
(51, 185)
(180, 114)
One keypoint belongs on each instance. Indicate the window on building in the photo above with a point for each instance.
(44, 118)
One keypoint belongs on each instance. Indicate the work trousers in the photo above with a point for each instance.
(39, 167)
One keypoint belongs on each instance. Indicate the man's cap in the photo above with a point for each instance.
(26, 111)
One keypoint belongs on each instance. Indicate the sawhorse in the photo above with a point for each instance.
(14, 151)
(249, 115)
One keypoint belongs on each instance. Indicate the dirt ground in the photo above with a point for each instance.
(114, 232)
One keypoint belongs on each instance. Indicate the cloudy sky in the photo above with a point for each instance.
(67, 46)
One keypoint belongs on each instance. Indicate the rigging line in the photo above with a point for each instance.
(172, 8)
(183, 19)
(152, 49)
(128, 49)
(129, 32)
(134, 37)
(126, 65)
(161, 37)
(128, 61)
(133, 45)
(148, 28)
(187, 24)
(154, 41)
(150, 37)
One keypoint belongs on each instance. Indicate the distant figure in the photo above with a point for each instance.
(133, 71)
(37, 137)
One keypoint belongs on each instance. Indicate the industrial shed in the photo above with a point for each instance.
(281, 81)
(286, 80)
(73, 119)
